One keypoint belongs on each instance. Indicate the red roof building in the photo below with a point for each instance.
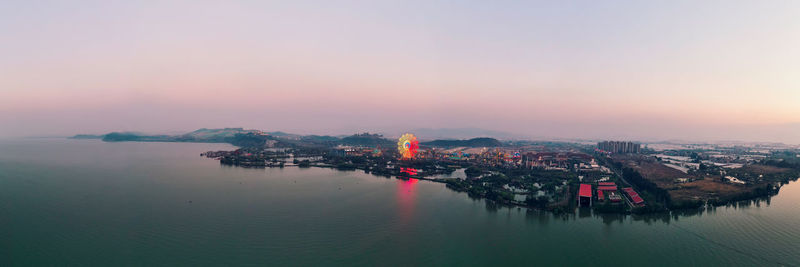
(599, 194)
(635, 198)
(585, 195)
(607, 188)
(585, 191)
(606, 184)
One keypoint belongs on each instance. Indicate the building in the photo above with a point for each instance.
(614, 197)
(634, 197)
(585, 195)
(621, 147)
(605, 186)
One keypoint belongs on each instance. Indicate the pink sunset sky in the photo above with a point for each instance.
(640, 70)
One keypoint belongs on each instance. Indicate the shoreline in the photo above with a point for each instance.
(553, 208)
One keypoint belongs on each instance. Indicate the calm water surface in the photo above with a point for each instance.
(88, 202)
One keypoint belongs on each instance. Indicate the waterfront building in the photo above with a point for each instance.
(585, 195)
(633, 196)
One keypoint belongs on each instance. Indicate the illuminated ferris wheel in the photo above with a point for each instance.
(407, 145)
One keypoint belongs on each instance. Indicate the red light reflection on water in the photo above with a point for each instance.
(406, 197)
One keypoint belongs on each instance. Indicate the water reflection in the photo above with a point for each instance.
(406, 197)
(584, 212)
(542, 217)
(676, 215)
(608, 219)
(538, 216)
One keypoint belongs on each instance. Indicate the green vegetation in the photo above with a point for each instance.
(473, 171)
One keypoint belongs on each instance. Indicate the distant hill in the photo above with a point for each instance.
(367, 139)
(474, 142)
(127, 136)
(281, 134)
(224, 135)
(249, 139)
(214, 135)
(87, 136)
(320, 138)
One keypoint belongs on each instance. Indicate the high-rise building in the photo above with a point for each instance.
(619, 147)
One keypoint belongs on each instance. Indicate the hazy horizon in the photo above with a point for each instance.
(678, 70)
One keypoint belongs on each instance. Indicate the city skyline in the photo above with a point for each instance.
(614, 70)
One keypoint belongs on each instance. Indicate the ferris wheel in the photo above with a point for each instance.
(407, 145)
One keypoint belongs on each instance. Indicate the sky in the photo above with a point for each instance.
(634, 70)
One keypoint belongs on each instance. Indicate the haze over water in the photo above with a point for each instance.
(68, 202)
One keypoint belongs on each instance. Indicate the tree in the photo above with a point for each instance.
(473, 172)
